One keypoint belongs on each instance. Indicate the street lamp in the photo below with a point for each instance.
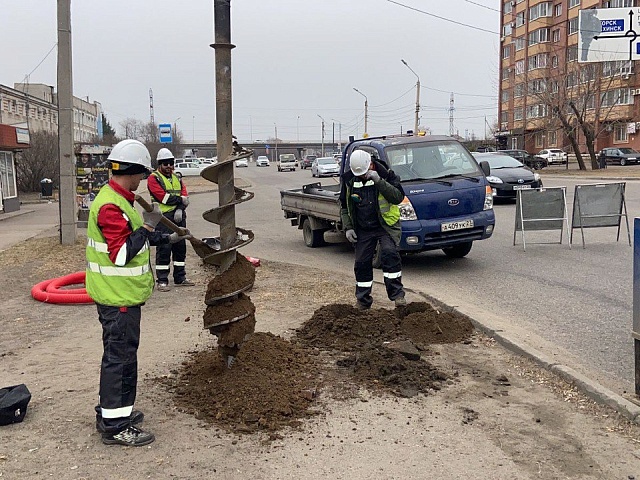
(298, 128)
(193, 130)
(322, 135)
(415, 130)
(339, 134)
(175, 129)
(275, 127)
(366, 112)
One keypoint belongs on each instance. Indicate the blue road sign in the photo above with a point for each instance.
(165, 133)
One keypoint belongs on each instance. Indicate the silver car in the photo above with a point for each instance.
(325, 166)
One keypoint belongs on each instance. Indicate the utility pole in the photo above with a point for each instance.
(67, 201)
(152, 118)
(276, 133)
(451, 109)
(322, 154)
(417, 122)
(339, 134)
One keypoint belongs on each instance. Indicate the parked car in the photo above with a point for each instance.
(508, 175)
(537, 163)
(307, 161)
(262, 161)
(622, 156)
(186, 169)
(554, 155)
(242, 162)
(325, 166)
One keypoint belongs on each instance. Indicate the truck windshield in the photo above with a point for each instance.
(288, 157)
(430, 161)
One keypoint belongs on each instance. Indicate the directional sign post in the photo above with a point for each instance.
(609, 34)
(165, 133)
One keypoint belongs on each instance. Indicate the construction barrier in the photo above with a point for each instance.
(541, 209)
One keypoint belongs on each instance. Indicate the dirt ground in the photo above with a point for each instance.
(321, 390)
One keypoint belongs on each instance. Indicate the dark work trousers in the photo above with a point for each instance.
(177, 250)
(363, 268)
(119, 370)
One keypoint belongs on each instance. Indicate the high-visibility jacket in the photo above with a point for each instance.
(106, 283)
(173, 186)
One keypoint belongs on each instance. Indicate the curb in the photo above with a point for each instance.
(590, 388)
(7, 216)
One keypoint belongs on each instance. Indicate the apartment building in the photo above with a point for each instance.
(540, 76)
(35, 106)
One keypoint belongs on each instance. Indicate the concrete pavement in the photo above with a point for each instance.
(42, 219)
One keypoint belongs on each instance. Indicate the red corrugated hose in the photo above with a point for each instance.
(51, 291)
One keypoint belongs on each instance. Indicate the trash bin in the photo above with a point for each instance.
(46, 187)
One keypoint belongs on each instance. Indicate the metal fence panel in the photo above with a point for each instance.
(541, 209)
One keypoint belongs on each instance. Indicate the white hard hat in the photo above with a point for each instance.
(164, 154)
(359, 162)
(128, 153)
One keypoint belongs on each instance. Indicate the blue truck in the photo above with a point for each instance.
(448, 203)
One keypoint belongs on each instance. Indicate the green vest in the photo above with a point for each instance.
(107, 283)
(172, 186)
(390, 213)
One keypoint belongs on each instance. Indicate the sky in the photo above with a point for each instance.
(295, 63)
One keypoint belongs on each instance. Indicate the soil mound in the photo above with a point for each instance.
(271, 385)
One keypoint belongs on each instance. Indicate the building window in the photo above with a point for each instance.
(506, 51)
(517, 113)
(506, 30)
(540, 35)
(554, 61)
(552, 139)
(505, 73)
(504, 117)
(518, 90)
(514, 143)
(505, 95)
(590, 102)
(506, 7)
(538, 85)
(540, 10)
(538, 61)
(574, 3)
(617, 96)
(618, 3)
(7, 175)
(620, 133)
(539, 139)
(520, 20)
(519, 67)
(537, 111)
(554, 86)
(555, 35)
(573, 26)
(557, 10)
(572, 53)
(520, 43)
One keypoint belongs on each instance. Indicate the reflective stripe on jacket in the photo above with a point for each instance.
(106, 283)
(171, 186)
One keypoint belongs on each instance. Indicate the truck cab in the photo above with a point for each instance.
(448, 203)
(287, 161)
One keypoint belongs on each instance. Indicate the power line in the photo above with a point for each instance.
(443, 18)
(41, 61)
(483, 6)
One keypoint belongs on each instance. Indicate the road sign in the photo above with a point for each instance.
(165, 133)
(609, 34)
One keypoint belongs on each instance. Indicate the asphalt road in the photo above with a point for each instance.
(574, 304)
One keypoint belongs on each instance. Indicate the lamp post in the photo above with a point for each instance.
(415, 130)
(175, 130)
(275, 127)
(322, 135)
(339, 134)
(193, 130)
(298, 128)
(366, 112)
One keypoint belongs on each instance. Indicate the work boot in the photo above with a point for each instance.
(400, 302)
(362, 306)
(130, 436)
(163, 287)
(185, 283)
(136, 418)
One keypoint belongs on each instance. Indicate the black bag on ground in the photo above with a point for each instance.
(13, 404)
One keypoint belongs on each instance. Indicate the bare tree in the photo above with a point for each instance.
(38, 162)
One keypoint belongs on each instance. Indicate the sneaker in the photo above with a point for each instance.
(185, 283)
(163, 287)
(130, 436)
(400, 302)
(362, 306)
(136, 418)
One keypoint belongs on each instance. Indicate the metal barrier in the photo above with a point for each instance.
(635, 333)
(541, 209)
(599, 205)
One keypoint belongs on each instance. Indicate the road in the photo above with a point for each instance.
(573, 304)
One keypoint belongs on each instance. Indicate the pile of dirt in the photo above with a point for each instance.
(272, 384)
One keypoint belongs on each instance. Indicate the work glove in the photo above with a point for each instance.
(185, 201)
(152, 218)
(372, 175)
(351, 235)
(176, 237)
(177, 216)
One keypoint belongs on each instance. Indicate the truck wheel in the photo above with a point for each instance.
(458, 251)
(312, 238)
(376, 262)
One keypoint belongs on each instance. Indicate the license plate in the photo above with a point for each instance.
(521, 187)
(462, 224)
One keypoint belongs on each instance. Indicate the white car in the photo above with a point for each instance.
(324, 166)
(243, 162)
(262, 161)
(553, 155)
(186, 169)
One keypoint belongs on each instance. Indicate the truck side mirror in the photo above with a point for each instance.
(486, 169)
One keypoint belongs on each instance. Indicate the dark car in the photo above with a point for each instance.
(537, 163)
(307, 161)
(622, 156)
(508, 175)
